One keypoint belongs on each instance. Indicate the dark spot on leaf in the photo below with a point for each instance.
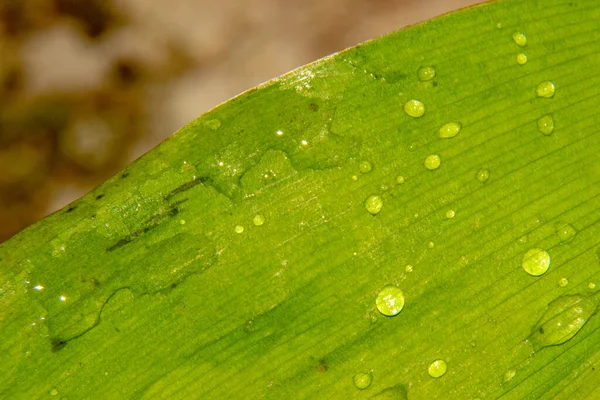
(314, 107)
(99, 196)
(71, 208)
(541, 330)
(124, 174)
(186, 186)
(322, 366)
(434, 83)
(58, 344)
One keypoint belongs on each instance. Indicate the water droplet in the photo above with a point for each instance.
(38, 287)
(432, 162)
(520, 39)
(565, 232)
(545, 89)
(431, 245)
(450, 130)
(450, 214)
(509, 375)
(408, 268)
(591, 285)
(279, 133)
(354, 177)
(521, 59)
(562, 320)
(483, 175)
(54, 392)
(239, 229)
(63, 298)
(374, 204)
(365, 166)
(536, 262)
(426, 73)
(390, 301)
(437, 368)
(523, 239)
(182, 221)
(546, 125)
(414, 108)
(362, 380)
(384, 187)
(563, 282)
(400, 179)
(258, 220)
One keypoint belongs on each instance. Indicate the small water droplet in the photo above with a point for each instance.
(562, 320)
(563, 282)
(182, 221)
(536, 262)
(54, 392)
(431, 245)
(258, 220)
(521, 59)
(365, 166)
(63, 298)
(38, 287)
(482, 175)
(414, 108)
(354, 177)
(279, 133)
(239, 229)
(546, 125)
(450, 130)
(390, 301)
(426, 73)
(432, 162)
(362, 380)
(437, 368)
(520, 39)
(374, 204)
(450, 214)
(545, 89)
(591, 285)
(509, 375)
(565, 232)
(213, 124)
(408, 268)
(384, 187)
(523, 239)
(400, 179)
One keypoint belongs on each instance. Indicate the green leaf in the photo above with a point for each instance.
(243, 257)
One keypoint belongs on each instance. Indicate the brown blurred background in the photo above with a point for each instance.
(87, 86)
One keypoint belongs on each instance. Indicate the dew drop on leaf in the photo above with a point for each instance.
(563, 282)
(450, 214)
(414, 108)
(426, 73)
(565, 232)
(258, 220)
(400, 179)
(437, 368)
(536, 262)
(390, 301)
(520, 39)
(482, 175)
(521, 59)
(546, 125)
(374, 204)
(450, 130)
(365, 166)
(239, 229)
(508, 375)
(432, 162)
(545, 90)
(562, 320)
(362, 380)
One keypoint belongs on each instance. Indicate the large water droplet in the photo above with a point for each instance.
(437, 368)
(258, 220)
(520, 39)
(521, 59)
(450, 130)
(565, 232)
(432, 162)
(482, 175)
(374, 204)
(545, 89)
(239, 229)
(390, 301)
(562, 320)
(414, 108)
(365, 166)
(536, 262)
(362, 380)
(546, 125)
(426, 73)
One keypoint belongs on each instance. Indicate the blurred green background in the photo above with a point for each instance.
(87, 86)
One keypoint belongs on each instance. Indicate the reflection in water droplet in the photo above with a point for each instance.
(521, 59)
(563, 319)
(414, 108)
(565, 232)
(279, 133)
(239, 229)
(408, 268)
(431, 245)
(482, 175)
(450, 214)
(390, 301)
(536, 262)
(437, 368)
(519, 39)
(450, 130)
(509, 375)
(591, 285)
(400, 179)
(258, 220)
(362, 380)
(365, 166)
(563, 282)
(374, 204)
(545, 89)
(546, 125)
(426, 73)
(432, 162)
